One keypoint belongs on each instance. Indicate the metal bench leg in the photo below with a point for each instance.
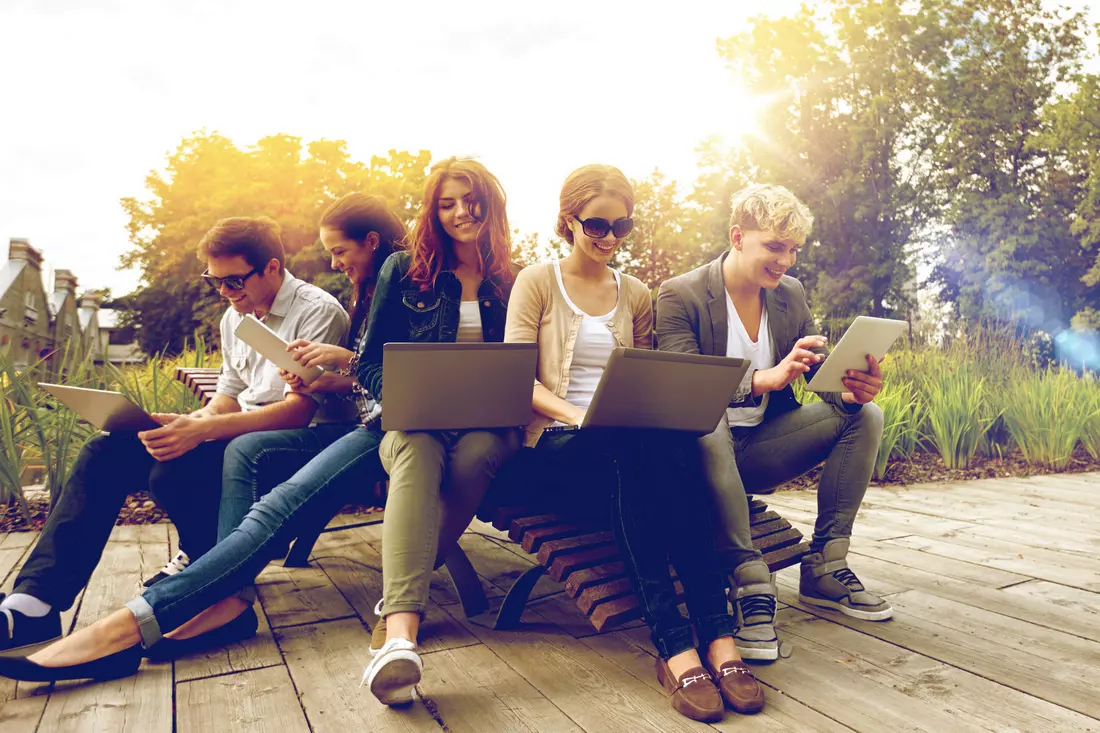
(512, 608)
(466, 582)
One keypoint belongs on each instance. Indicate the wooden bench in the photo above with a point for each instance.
(585, 559)
(203, 383)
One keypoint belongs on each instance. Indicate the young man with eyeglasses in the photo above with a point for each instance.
(181, 462)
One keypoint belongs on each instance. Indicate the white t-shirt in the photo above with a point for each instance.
(590, 352)
(469, 322)
(739, 345)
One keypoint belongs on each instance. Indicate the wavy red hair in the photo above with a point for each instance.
(431, 250)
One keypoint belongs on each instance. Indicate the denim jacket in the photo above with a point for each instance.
(402, 312)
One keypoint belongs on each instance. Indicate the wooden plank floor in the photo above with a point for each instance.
(995, 585)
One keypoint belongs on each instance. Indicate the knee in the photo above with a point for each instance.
(415, 447)
(243, 452)
(483, 451)
(870, 419)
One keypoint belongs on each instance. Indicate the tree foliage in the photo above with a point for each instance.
(207, 178)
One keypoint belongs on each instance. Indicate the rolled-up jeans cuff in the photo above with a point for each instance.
(714, 627)
(147, 621)
(673, 641)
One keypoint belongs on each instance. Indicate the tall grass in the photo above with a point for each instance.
(35, 429)
(903, 413)
(1047, 413)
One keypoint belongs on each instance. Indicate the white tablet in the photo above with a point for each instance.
(272, 347)
(866, 335)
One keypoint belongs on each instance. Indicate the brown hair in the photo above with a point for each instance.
(431, 249)
(585, 184)
(356, 215)
(255, 238)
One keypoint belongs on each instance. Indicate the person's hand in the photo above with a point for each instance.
(311, 354)
(793, 365)
(863, 386)
(578, 417)
(164, 417)
(174, 439)
(324, 383)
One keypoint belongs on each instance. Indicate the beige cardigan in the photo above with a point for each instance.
(538, 313)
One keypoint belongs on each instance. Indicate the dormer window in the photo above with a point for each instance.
(31, 312)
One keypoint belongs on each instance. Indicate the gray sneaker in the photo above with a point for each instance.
(753, 599)
(827, 582)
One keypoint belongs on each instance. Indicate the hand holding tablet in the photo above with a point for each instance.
(273, 348)
(866, 336)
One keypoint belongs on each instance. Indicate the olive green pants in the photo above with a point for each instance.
(437, 482)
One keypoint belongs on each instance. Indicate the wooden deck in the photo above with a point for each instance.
(997, 628)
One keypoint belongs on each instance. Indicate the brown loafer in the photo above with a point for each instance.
(739, 687)
(693, 694)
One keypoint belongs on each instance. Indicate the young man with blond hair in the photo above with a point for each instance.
(743, 304)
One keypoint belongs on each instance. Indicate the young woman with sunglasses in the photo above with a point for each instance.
(577, 311)
(452, 284)
(209, 603)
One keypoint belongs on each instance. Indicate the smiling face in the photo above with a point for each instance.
(348, 256)
(764, 257)
(604, 206)
(259, 289)
(459, 211)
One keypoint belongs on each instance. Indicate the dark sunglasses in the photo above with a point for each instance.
(233, 282)
(598, 228)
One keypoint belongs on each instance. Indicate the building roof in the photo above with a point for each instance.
(57, 301)
(9, 274)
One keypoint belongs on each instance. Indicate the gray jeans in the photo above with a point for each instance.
(740, 461)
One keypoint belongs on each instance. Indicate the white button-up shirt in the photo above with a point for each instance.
(299, 311)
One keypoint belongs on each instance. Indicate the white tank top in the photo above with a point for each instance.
(590, 352)
(469, 322)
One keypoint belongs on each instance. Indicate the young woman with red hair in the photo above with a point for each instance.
(451, 284)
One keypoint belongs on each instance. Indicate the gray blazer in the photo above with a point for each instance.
(692, 319)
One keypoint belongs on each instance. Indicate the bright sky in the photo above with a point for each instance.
(95, 94)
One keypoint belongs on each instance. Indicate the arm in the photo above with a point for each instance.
(674, 328)
(526, 306)
(383, 326)
(643, 320)
(185, 432)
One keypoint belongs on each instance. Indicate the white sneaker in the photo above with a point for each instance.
(394, 673)
(176, 565)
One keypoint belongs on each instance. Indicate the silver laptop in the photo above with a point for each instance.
(443, 386)
(106, 410)
(659, 389)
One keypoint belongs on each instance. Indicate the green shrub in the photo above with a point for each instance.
(902, 411)
(957, 418)
(1045, 415)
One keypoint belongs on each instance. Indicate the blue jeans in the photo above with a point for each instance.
(313, 494)
(255, 463)
(651, 484)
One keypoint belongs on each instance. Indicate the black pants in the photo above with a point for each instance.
(650, 484)
(108, 468)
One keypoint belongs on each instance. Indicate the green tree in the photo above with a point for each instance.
(843, 85)
(208, 178)
(1010, 192)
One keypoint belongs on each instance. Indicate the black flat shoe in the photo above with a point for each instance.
(241, 628)
(111, 667)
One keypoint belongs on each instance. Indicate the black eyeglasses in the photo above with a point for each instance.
(233, 282)
(598, 228)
